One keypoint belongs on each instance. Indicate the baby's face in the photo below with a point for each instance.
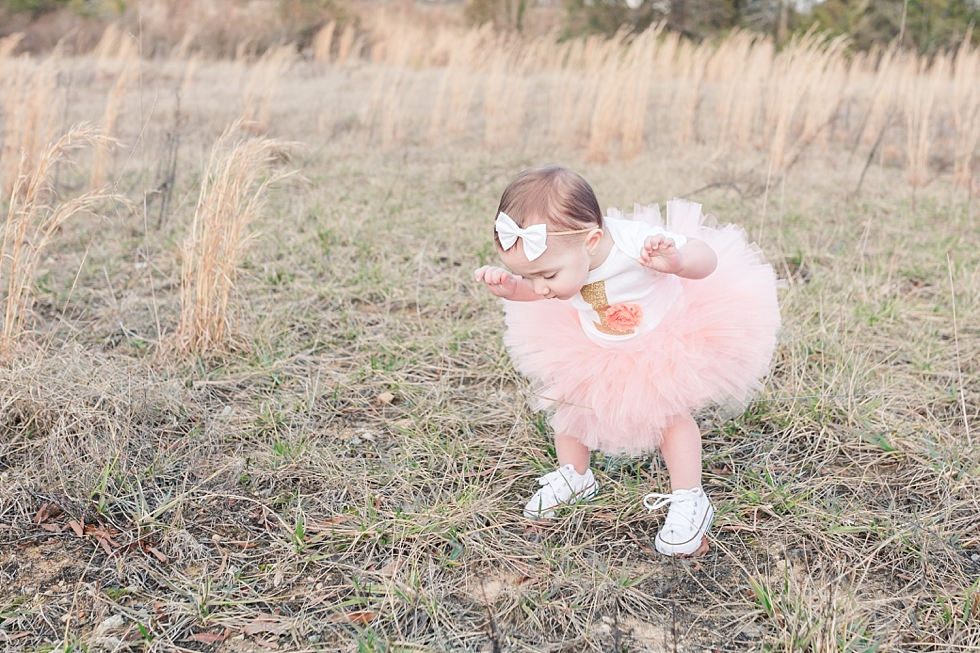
(558, 273)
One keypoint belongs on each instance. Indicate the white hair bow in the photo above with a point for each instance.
(535, 237)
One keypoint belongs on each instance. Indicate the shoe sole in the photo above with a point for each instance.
(586, 493)
(698, 551)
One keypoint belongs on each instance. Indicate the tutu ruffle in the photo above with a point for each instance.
(714, 345)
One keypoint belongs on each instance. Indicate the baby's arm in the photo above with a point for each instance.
(695, 260)
(504, 284)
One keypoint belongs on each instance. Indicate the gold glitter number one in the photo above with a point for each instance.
(595, 294)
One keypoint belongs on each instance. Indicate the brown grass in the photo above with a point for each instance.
(35, 215)
(345, 45)
(233, 194)
(966, 111)
(637, 78)
(29, 116)
(920, 92)
(9, 44)
(323, 43)
(504, 97)
(113, 106)
(361, 462)
(260, 87)
(691, 66)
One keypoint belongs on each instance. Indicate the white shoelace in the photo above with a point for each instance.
(655, 501)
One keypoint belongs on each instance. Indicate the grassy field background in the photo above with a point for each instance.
(348, 473)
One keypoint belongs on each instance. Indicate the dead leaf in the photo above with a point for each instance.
(242, 544)
(102, 532)
(43, 513)
(76, 528)
(536, 529)
(265, 623)
(267, 643)
(10, 637)
(51, 528)
(390, 569)
(111, 541)
(209, 638)
(158, 609)
(105, 545)
(103, 536)
(643, 547)
(361, 617)
(324, 526)
(385, 398)
(159, 555)
(736, 528)
(221, 567)
(260, 517)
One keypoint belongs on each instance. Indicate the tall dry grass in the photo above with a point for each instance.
(113, 108)
(794, 96)
(966, 111)
(29, 116)
(920, 85)
(116, 51)
(462, 84)
(504, 98)
(323, 42)
(608, 97)
(730, 66)
(692, 63)
(261, 84)
(349, 46)
(616, 94)
(9, 44)
(563, 92)
(605, 96)
(613, 96)
(636, 80)
(239, 173)
(35, 214)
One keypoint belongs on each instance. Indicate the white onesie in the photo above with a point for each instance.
(622, 299)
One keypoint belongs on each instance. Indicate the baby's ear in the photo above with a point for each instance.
(593, 239)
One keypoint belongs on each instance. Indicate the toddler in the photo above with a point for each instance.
(645, 324)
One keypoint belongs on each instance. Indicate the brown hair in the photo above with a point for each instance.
(555, 196)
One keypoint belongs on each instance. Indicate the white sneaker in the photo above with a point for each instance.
(687, 522)
(562, 487)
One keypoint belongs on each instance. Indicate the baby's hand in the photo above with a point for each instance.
(500, 282)
(661, 254)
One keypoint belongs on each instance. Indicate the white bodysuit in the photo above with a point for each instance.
(622, 280)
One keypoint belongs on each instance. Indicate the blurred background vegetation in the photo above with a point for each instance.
(927, 25)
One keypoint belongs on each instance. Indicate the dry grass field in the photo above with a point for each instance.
(251, 398)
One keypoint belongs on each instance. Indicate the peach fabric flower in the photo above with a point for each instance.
(624, 317)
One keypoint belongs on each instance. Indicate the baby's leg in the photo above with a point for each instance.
(681, 450)
(690, 514)
(572, 452)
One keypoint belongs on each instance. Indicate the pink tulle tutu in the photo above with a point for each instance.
(714, 345)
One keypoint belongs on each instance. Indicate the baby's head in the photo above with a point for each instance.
(563, 203)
